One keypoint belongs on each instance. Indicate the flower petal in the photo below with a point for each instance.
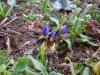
(64, 29)
(45, 30)
(53, 35)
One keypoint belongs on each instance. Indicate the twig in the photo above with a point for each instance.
(13, 32)
(27, 42)
(96, 52)
(3, 21)
(10, 21)
(8, 47)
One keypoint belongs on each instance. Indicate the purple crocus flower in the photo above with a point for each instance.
(45, 30)
(64, 29)
(53, 36)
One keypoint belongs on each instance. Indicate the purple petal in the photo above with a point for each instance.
(45, 30)
(53, 35)
(64, 29)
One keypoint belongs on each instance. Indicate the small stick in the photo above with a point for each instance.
(3, 21)
(13, 32)
(96, 52)
(10, 21)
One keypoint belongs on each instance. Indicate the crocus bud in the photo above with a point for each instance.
(63, 29)
(52, 37)
(45, 31)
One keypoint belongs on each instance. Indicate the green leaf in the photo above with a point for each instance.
(8, 11)
(2, 68)
(30, 72)
(73, 18)
(68, 41)
(42, 53)
(54, 73)
(72, 68)
(38, 65)
(5, 14)
(79, 67)
(6, 72)
(53, 47)
(87, 39)
(55, 20)
(45, 6)
(3, 56)
(86, 10)
(71, 65)
(1, 10)
(86, 71)
(22, 64)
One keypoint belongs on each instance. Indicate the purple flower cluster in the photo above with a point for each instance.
(53, 35)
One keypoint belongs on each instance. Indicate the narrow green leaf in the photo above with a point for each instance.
(42, 53)
(8, 11)
(71, 65)
(55, 20)
(6, 72)
(54, 73)
(45, 6)
(86, 71)
(22, 64)
(2, 68)
(72, 68)
(68, 41)
(1, 10)
(87, 39)
(86, 10)
(38, 65)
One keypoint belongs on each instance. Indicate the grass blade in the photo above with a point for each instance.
(8, 11)
(1, 10)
